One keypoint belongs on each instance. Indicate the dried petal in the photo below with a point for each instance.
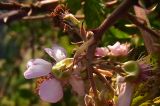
(51, 91)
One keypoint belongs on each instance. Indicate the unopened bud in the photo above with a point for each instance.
(71, 17)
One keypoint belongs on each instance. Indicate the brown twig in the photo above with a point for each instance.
(38, 5)
(146, 34)
(38, 17)
(90, 68)
(140, 12)
(23, 10)
(117, 14)
(135, 21)
(98, 33)
(10, 6)
(104, 80)
(46, 16)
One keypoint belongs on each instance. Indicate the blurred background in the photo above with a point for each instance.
(22, 40)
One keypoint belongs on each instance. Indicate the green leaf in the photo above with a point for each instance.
(93, 10)
(118, 33)
(136, 100)
(74, 5)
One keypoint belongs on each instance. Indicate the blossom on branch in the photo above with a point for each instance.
(119, 49)
(50, 78)
(49, 88)
(116, 50)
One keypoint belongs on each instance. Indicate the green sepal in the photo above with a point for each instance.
(60, 69)
(63, 64)
(61, 74)
(132, 70)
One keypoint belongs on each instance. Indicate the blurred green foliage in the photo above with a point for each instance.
(23, 40)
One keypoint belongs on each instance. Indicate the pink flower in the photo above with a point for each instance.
(116, 50)
(59, 53)
(56, 52)
(101, 51)
(119, 49)
(50, 89)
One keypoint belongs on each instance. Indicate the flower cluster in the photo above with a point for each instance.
(116, 50)
(51, 78)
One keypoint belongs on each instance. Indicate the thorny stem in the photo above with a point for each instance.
(18, 11)
(90, 69)
(149, 40)
(142, 26)
(90, 77)
(117, 14)
(98, 33)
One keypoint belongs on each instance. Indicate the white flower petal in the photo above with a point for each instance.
(37, 62)
(37, 71)
(56, 52)
(51, 91)
(115, 46)
(37, 68)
